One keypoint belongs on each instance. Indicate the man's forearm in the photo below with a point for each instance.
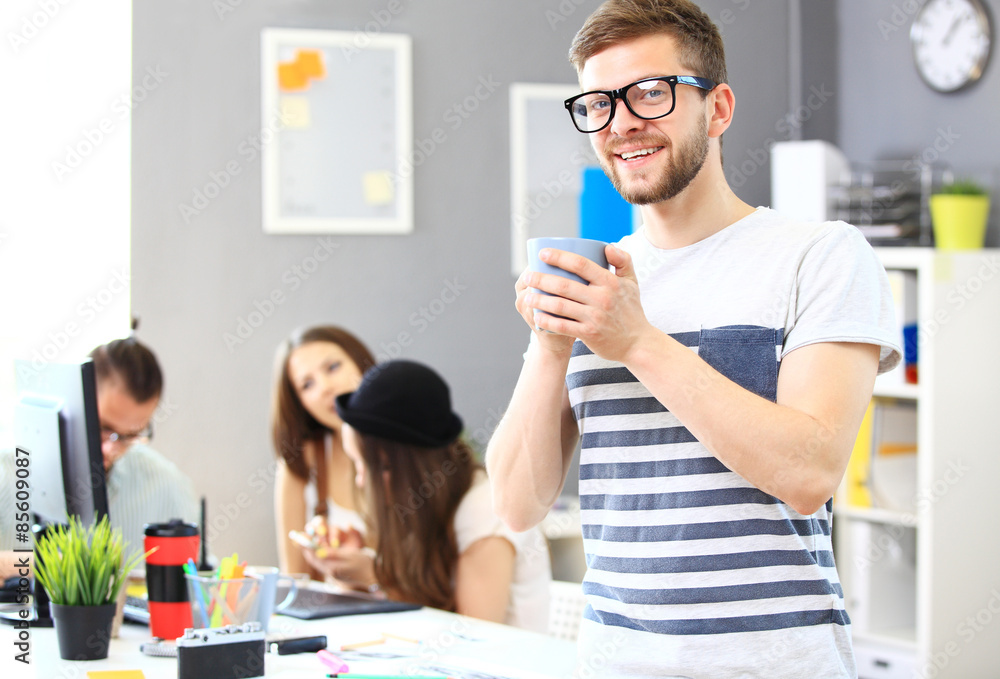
(795, 449)
(526, 458)
(13, 564)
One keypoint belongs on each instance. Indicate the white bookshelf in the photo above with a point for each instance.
(922, 584)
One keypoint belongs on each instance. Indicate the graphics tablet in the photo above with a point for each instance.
(311, 604)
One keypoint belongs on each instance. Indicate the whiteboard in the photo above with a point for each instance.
(547, 157)
(336, 132)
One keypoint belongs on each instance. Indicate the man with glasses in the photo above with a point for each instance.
(142, 485)
(716, 381)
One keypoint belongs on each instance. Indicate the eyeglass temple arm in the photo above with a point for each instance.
(703, 83)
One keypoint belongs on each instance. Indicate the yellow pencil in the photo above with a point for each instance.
(399, 638)
(362, 644)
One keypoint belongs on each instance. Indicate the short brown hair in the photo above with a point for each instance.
(131, 362)
(291, 424)
(618, 21)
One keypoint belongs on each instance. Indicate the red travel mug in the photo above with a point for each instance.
(169, 610)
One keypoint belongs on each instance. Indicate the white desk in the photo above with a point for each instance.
(470, 648)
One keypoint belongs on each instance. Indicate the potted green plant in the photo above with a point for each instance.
(959, 213)
(82, 570)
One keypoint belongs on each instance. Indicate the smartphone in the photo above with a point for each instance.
(301, 538)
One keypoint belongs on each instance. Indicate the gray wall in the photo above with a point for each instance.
(194, 281)
(887, 113)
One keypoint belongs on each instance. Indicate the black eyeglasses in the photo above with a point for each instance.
(648, 99)
(109, 435)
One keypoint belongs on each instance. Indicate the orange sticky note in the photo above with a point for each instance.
(291, 78)
(311, 63)
(115, 674)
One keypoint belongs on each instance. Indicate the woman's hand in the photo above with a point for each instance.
(340, 556)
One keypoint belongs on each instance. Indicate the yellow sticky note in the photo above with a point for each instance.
(295, 112)
(378, 188)
(115, 674)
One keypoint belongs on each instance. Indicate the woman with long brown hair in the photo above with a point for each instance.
(428, 507)
(313, 478)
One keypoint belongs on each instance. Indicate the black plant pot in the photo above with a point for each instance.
(84, 632)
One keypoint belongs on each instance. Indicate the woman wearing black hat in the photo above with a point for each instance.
(428, 505)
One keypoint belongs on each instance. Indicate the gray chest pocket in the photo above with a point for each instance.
(746, 354)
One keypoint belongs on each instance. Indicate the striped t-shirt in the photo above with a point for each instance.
(692, 571)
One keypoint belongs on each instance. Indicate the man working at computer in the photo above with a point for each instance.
(716, 379)
(142, 485)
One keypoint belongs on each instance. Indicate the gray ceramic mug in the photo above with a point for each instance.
(591, 249)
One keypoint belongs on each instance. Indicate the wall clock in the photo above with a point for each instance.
(951, 42)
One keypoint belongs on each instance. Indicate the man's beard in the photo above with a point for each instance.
(685, 166)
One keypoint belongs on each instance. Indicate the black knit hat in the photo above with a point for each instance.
(402, 401)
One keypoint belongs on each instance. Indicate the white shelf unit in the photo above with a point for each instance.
(923, 586)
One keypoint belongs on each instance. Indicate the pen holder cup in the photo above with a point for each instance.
(274, 584)
(216, 602)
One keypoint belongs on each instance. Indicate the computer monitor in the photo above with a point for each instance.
(56, 421)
